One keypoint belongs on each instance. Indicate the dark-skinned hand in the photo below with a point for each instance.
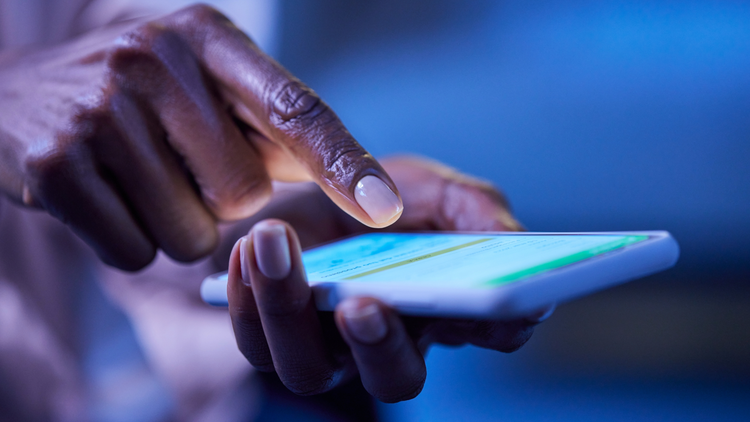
(142, 135)
(273, 313)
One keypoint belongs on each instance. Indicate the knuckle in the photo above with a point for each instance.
(49, 166)
(299, 112)
(140, 41)
(131, 67)
(479, 189)
(200, 22)
(140, 54)
(343, 155)
(475, 205)
(296, 101)
(201, 13)
(340, 158)
(60, 159)
(56, 165)
(494, 193)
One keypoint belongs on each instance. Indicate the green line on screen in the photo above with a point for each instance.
(560, 262)
(418, 258)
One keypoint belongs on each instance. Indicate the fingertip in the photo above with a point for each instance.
(273, 260)
(272, 249)
(363, 320)
(390, 365)
(378, 201)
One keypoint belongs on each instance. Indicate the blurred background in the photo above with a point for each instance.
(590, 115)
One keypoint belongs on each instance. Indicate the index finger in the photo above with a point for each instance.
(291, 115)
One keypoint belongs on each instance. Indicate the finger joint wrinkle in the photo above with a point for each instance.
(294, 100)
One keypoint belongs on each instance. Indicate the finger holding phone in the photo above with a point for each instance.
(279, 329)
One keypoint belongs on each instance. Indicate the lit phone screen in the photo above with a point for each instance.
(446, 259)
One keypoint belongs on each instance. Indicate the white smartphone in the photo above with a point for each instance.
(474, 275)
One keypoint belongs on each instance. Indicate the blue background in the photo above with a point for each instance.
(602, 115)
(606, 115)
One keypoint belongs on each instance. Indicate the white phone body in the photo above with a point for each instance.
(542, 269)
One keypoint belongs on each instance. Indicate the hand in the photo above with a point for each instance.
(278, 328)
(141, 135)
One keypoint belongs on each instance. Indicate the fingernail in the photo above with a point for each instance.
(542, 315)
(272, 250)
(244, 263)
(366, 324)
(377, 199)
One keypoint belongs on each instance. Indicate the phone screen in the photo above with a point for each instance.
(444, 259)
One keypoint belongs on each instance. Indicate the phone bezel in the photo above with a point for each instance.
(512, 300)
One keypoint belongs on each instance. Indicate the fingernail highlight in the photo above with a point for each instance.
(272, 250)
(366, 324)
(377, 199)
(244, 263)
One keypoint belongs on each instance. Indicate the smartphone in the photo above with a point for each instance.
(474, 275)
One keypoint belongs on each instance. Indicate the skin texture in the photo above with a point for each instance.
(141, 136)
(278, 328)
